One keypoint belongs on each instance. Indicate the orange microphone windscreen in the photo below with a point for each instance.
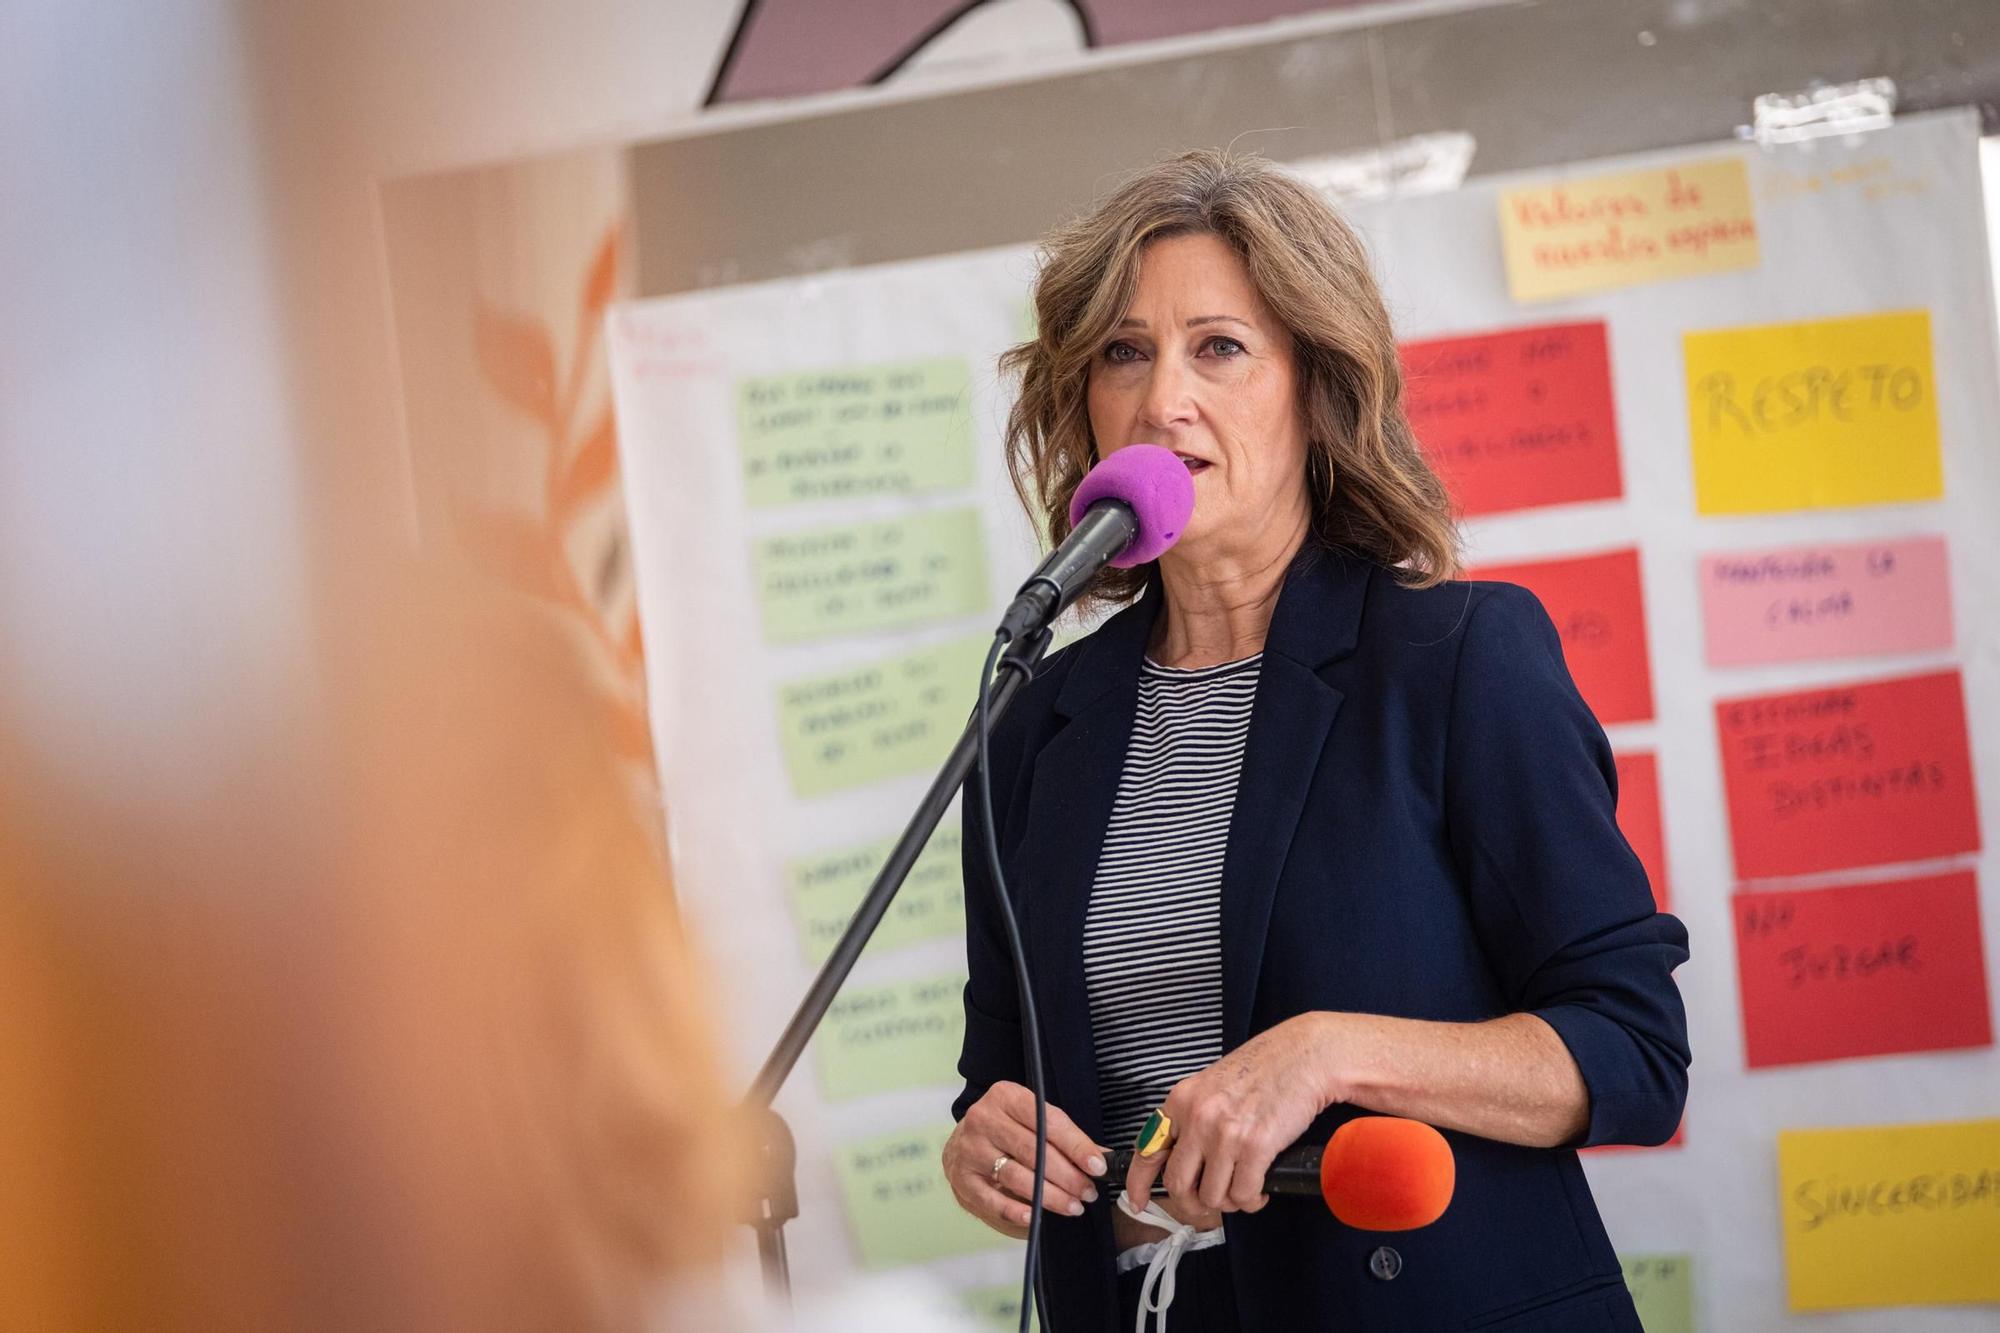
(1384, 1173)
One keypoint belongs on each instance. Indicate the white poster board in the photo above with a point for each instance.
(740, 817)
(754, 420)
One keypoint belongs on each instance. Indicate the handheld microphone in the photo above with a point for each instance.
(1377, 1173)
(1129, 509)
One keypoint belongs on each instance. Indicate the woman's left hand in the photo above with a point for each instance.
(1231, 1119)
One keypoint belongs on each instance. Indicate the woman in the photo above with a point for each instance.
(1306, 831)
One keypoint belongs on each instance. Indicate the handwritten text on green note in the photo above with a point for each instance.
(871, 576)
(878, 720)
(827, 888)
(892, 428)
(898, 1204)
(906, 1034)
(1662, 1286)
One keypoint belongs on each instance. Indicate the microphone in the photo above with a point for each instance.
(1130, 508)
(1377, 1173)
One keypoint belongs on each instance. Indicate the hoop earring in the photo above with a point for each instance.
(1317, 475)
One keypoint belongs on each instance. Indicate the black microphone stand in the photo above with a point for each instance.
(777, 1199)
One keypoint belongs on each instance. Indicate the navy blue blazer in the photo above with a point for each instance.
(1424, 828)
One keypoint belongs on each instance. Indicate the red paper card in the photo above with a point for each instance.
(1639, 818)
(1863, 969)
(1516, 419)
(1853, 775)
(1599, 613)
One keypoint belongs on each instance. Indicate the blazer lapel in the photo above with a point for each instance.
(1075, 784)
(1316, 621)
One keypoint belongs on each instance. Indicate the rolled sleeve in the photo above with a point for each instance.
(1560, 901)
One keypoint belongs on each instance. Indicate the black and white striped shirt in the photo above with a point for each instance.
(1152, 935)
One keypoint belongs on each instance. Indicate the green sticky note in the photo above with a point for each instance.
(997, 1308)
(879, 720)
(871, 576)
(827, 888)
(1662, 1286)
(898, 1204)
(892, 428)
(906, 1034)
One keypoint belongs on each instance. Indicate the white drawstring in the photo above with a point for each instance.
(1181, 1238)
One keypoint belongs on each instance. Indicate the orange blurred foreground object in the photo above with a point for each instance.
(391, 1027)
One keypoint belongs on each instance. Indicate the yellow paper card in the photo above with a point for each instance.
(1819, 415)
(1600, 232)
(1892, 1215)
(906, 1034)
(900, 1208)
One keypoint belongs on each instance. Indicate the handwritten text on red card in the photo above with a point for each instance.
(1851, 775)
(1861, 969)
(1600, 614)
(1516, 419)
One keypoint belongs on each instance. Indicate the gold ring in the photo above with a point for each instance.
(1155, 1135)
(999, 1165)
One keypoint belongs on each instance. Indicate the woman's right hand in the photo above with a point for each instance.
(1003, 1123)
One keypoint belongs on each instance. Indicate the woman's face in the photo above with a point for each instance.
(1201, 366)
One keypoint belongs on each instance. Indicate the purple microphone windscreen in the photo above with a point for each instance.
(1155, 484)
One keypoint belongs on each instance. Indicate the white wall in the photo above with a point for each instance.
(354, 93)
(148, 570)
(350, 94)
(193, 333)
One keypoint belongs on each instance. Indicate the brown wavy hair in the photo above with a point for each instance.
(1372, 490)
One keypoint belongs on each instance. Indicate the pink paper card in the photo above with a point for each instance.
(1850, 599)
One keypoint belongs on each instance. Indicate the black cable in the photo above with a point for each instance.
(1031, 1028)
